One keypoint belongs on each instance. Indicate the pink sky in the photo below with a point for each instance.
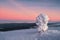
(19, 11)
(12, 14)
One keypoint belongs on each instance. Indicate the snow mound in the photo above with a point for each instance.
(30, 34)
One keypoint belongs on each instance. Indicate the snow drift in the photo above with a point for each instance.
(30, 34)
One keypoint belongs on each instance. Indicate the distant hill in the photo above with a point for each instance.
(16, 26)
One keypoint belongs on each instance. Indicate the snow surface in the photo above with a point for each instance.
(30, 34)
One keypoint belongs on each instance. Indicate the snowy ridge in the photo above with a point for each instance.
(30, 34)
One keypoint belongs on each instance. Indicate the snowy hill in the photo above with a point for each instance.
(30, 34)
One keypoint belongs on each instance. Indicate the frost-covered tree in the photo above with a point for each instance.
(41, 22)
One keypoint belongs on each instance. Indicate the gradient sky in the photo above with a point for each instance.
(29, 9)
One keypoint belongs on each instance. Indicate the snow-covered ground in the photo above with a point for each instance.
(30, 34)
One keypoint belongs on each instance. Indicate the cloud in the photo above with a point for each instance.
(43, 3)
(31, 3)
